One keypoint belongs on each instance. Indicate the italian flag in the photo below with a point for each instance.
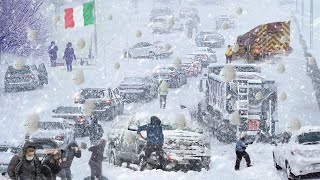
(79, 16)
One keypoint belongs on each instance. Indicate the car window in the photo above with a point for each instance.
(310, 137)
(50, 125)
(68, 110)
(92, 94)
(45, 145)
(24, 70)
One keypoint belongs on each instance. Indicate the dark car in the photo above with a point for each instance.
(28, 78)
(136, 88)
(176, 77)
(74, 114)
(160, 12)
(107, 100)
(209, 39)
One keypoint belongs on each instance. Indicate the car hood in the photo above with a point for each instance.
(5, 157)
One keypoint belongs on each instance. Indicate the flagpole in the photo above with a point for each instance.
(95, 29)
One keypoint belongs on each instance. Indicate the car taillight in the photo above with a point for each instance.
(80, 120)
(58, 137)
(108, 101)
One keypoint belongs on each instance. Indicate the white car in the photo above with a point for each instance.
(146, 50)
(58, 130)
(7, 151)
(166, 24)
(300, 154)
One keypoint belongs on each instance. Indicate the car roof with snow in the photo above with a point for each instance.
(250, 76)
(306, 129)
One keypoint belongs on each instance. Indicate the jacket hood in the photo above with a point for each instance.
(26, 145)
(155, 121)
(72, 144)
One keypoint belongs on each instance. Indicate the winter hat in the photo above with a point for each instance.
(155, 120)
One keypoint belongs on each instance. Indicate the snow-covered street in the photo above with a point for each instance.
(120, 33)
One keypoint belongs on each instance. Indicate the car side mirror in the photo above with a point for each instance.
(133, 128)
(54, 111)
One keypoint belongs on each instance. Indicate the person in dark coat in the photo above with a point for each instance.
(73, 150)
(191, 24)
(69, 56)
(95, 132)
(154, 140)
(26, 165)
(96, 159)
(241, 152)
(52, 50)
(51, 165)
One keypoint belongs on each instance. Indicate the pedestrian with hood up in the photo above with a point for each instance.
(26, 165)
(51, 165)
(52, 50)
(96, 159)
(163, 92)
(241, 152)
(154, 140)
(73, 150)
(69, 56)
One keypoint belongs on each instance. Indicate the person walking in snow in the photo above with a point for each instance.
(95, 131)
(51, 165)
(25, 165)
(163, 92)
(52, 50)
(154, 140)
(191, 24)
(96, 159)
(73, 150)
(69, 56)
(241, 152)
(228, 54)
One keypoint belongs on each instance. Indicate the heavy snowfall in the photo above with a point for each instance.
(214, 81)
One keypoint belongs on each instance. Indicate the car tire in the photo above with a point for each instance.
(127, 55)
(141, 160)
(275, 163)
(114, 160)
(290, 176)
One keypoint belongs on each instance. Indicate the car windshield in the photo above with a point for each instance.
(211, 37)
(133, 79)
(92, 94)
(50, 125)
(45, 145)
(68, 110)
(310, 137)
(24, 70)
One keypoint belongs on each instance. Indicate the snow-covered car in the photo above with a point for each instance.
(225, 22)
(44, 146)
(190, 13)
(166, 24)
(7, 151)
(137, 88)
(75, 115)
(300, 154)
(107, 100)
(28, 77)
(59, 130)
(146, 50)
(190, 68)
(160, 12)
(183, 148)
(209, 39)
(175, 77)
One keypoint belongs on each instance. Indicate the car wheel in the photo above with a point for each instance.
(114, 160)
(127, 55)
(152, 55)
(40, 85)
(275, 163)
(289, 173)
(142, 159)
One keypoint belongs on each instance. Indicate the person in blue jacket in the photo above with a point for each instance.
(154, 140)
(241, 152)
(69, 56)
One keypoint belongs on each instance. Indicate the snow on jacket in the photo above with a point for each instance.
(241, 146)
(70, 154)
(228, 52)
(52, 50)
(69, 54)
(50, 168)
(20, 168)
(154, 131)
(163, 88)
(97, 152)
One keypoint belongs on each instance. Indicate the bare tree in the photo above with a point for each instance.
(16, 18)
